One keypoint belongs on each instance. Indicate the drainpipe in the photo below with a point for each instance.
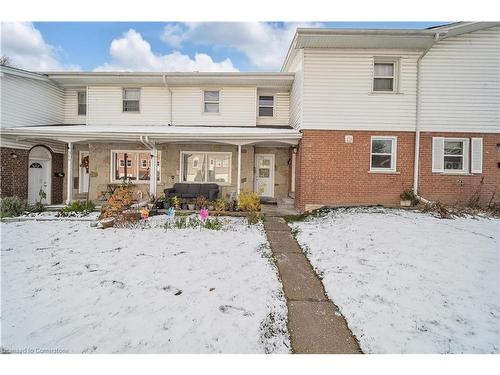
(417, 120)
(170, 91)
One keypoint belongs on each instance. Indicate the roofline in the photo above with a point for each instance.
(5, 69)
(344, 31)
(171, 74)
(451, 29)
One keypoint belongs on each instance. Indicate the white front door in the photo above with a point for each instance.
(83, 176)
(264, 175)
(38, 179)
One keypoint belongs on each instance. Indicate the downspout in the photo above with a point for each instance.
(417, 121)
(170, 91)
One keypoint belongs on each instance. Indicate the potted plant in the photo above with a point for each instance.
(160, 203)
(211, 205)
(407, 198)
(191, 205)
(200, 202)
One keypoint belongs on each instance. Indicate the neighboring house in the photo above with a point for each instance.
(355, 117)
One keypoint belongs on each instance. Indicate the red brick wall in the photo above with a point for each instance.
(459, 189)
(57, 182)
(332, 172)
(13, 172)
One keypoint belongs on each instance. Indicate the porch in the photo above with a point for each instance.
(237, 159)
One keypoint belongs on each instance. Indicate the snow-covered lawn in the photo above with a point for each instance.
(67, 286)
(408, 282)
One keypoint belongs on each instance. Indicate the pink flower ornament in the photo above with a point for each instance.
(203, 214)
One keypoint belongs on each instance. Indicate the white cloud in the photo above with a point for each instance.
(26, 49)
(132, 53)
(265, 44)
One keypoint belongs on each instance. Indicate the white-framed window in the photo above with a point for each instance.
(82, 103)
(211, 101)
(383, 150)
(134, 165)
(131, 100)
(385, 75)
(452, 155)
(266, 106)
(211, 167)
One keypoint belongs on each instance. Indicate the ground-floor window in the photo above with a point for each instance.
(205, 167)
(454, 152)
(132, 165)
(383, 154)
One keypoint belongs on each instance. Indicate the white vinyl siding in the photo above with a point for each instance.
(236, 108)
(71, 115)
(337, 91)
(296, 93)
(105, 107)
(30, 102)
(281, 110)
(460, 84)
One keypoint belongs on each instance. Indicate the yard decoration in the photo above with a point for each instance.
(144, 213)
(203, 215)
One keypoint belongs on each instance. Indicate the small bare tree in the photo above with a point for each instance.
(5, 61)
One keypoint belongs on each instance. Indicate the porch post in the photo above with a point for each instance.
(69, 174)
(238, 183)
(154, 173)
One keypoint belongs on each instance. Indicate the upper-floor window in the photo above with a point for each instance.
(131, 99)
(383, 154)
(266, 106)
(82, 102)
(211, 101)
(384, 76)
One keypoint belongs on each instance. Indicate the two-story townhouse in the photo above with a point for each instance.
(231, 129)
(355, 117)
(382, 111)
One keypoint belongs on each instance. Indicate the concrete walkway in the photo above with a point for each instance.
(314, 323)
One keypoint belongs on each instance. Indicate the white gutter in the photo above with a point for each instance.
(417, 116)
(170, 91)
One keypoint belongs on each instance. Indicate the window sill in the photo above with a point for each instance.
(383, 172)
(456, 173)
(385, 92)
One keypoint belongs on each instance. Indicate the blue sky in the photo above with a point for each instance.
(149, 46)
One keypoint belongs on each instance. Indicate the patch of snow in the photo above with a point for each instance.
(408, 282)
(70, 287)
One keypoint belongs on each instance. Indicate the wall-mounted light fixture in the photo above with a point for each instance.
(13, 155)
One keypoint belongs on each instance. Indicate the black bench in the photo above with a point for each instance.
(189, 191)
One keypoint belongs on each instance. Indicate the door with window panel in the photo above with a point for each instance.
(264, 175)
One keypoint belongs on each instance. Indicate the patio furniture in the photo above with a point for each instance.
(191, 191)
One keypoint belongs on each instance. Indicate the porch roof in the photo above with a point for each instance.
(156, 133)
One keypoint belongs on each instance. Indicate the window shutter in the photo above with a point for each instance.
(437, 154)
(476, 164)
